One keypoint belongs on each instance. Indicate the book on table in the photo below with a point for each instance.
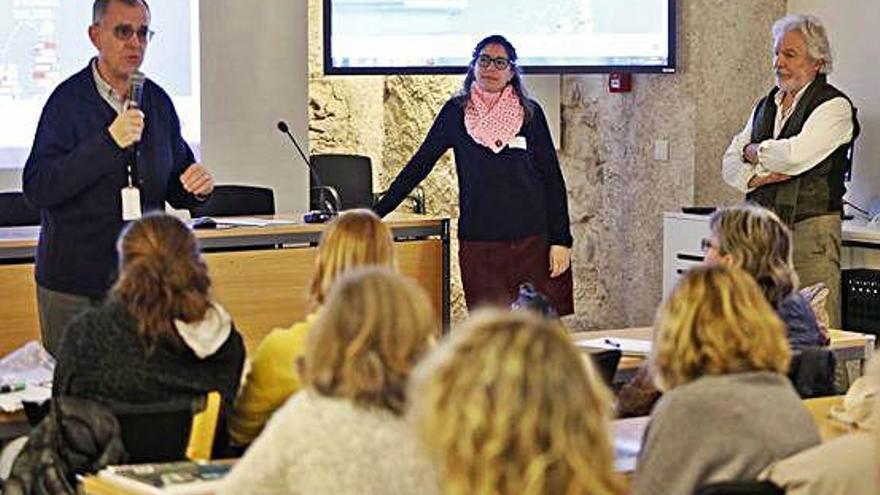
(171, 478)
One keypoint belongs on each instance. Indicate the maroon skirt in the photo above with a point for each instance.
(491, 272)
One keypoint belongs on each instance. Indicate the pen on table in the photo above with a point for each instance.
(11, 387)
(612, 343)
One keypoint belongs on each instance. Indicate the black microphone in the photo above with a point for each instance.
(136, 90)
(135, 95)
(326, 210)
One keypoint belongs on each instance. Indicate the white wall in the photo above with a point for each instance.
(254, 72)
(851, 26)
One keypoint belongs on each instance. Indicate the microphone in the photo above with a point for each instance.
(326, 210)
(135, 90)
(135, 95)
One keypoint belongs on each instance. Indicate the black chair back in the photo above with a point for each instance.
(235, 200)
(350, 175)
(812, 372)
(15, 211)
(606, 362)
(157, 432)
(740, 488)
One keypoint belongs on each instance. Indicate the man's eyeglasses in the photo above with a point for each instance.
(500, 63)
(124, 32)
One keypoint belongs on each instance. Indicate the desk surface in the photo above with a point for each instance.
(20, 242)
(847, 346)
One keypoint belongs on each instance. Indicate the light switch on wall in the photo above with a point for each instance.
(661, 150)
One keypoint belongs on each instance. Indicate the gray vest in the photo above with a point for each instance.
(820, 190)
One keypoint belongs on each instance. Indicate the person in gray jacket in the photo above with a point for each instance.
(728, 410)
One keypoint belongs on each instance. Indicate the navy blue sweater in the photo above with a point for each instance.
(510, 195)
(75, 172)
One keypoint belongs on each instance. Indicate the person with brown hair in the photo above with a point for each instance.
(509, 407)
(344, 432)
(755, 239)
(728, 410)
(159, 336)
(355, 239)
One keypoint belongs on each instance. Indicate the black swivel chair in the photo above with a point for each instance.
(811, 371)
(15, 211)
(740, 488)
(351, 177)
(233, 200)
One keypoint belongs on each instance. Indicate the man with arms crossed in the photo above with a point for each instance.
(96, 154)
(794, 151)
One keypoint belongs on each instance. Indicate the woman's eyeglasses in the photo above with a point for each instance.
(124, 32)
(500, 63)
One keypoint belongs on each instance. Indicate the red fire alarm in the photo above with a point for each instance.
(619, 82)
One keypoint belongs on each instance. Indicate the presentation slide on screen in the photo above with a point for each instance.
(401, 33)
(43, 42)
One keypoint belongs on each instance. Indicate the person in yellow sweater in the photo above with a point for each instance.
(355, 239)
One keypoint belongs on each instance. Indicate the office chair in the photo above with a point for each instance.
(811, 371)
(606, 362)
(169, 431)
(15, 211)
(235, 200)
(351, 177)
(740, 488)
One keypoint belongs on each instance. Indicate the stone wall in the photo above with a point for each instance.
(617, 191)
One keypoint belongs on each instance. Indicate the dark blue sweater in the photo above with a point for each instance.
(75, 172)
(510, 195)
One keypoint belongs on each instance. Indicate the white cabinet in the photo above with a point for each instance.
(683, 234)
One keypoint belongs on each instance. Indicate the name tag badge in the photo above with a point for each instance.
(518, 142)
(131, 203)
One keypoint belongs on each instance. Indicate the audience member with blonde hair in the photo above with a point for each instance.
(355, 239)
(755, 239)
(728, 410)
(510, 407)
(344, 432)
(159, 336)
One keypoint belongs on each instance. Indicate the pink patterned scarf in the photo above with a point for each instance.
(493, 119)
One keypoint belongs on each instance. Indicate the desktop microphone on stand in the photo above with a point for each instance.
(326, 210)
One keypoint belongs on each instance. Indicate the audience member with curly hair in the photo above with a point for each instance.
(509, 406)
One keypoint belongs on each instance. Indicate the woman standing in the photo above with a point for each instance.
(514, 224)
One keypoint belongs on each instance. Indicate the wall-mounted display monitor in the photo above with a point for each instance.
(558, 36)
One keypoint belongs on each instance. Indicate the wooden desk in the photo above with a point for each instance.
(828, 428)
(847, 346)
(261, 274)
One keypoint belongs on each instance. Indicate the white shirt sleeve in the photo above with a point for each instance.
(735, 171)
(828, 127)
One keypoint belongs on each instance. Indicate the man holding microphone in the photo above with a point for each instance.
(108, 147)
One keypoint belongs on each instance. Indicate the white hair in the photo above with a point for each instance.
(815, 37)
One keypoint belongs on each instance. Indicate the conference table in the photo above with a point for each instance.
(846, 346)
(261, 274)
